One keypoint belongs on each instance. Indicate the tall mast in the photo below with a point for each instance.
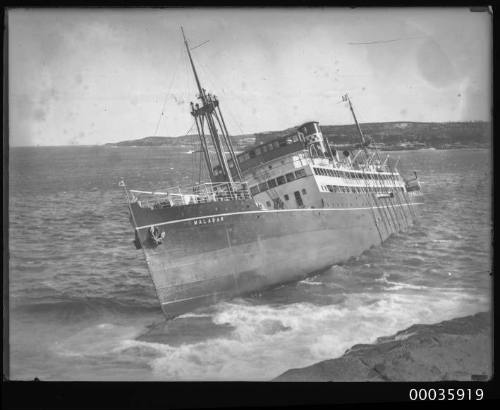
(201, 90)
(346, 98)
(207, 114)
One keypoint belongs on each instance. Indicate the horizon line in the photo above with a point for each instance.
(236, 135)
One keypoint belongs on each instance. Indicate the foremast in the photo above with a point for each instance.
(208, 116)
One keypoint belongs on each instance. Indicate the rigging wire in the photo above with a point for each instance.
(211, 79)
(193, 162)
(388, 205)
(167, 94)
(395, 203)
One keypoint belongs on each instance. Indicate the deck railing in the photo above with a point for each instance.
(201, 193)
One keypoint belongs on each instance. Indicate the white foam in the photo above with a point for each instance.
(268, 340)
(311, 282)
(96, 340)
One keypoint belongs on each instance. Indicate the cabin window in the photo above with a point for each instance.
(304, 191)
(290, 177)
(330, 188)
(245, 157)
(269, 147)
(257, 151)
(300, 173)
(263, 186)
(282, 143)
(295, 138)
(271, 183)
(254, 190)
(281, 180)
(316, 171)
(286, 197)
(252, 154)
(268, 204)
(298, 199)
(264, 148)
(276, 144)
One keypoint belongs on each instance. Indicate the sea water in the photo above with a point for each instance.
(83, 307)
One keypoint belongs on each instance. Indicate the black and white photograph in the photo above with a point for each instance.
(249, 194)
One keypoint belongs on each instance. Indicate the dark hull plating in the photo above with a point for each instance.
(220, 250)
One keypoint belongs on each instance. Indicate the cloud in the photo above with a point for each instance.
(106, 73)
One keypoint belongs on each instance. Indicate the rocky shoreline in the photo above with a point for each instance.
(457, 349)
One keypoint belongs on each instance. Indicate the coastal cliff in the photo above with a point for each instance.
(387, 136)
(457, 349)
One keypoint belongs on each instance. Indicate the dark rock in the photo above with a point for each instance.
(458, 349)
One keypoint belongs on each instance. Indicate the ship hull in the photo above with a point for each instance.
(219, 255)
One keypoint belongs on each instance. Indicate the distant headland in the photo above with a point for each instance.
(388, 136)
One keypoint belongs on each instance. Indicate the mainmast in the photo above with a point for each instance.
(209, 114)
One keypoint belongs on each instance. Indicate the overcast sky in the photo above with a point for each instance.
(95, 76)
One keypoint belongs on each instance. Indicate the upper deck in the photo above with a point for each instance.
(276, 148)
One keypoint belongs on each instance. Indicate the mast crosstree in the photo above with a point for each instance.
(208, 116)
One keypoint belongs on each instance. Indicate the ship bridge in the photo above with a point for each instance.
(307, 136)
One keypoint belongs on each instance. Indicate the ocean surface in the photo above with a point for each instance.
(82, 305)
